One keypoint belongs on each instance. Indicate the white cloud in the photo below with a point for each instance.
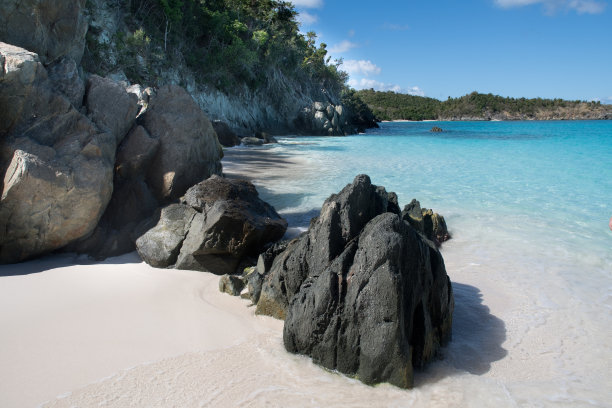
(416, 91)
(360, 67)
(308, 3)
(344, 46)
(366, 83)
(306, 18)
(551, 6)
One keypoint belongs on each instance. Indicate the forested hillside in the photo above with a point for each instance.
(243, 61)
(477, 106)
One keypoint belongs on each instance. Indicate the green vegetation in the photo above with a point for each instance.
(224, 42)
(396, 106)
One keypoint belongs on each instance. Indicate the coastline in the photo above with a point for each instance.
(125, 334)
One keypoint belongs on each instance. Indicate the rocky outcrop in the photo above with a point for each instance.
(131, 204)
(226, 136)
(110, 107)
(342, 218)
(381, 308)
(436, 129)
(432, 225)
(325, 119)
(57, 164)
(363, 292)
(50, 28)
(189, 150)
(225, 221)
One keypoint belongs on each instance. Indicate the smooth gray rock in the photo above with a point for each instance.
(252, 141)
(189, 150)
(227, 137)
(56, 165)
(64, 75)
(51, 28)
(110, 106)
(160, 246)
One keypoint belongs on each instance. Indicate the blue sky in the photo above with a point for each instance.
(441, 48)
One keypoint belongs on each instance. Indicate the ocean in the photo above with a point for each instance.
(528, 206)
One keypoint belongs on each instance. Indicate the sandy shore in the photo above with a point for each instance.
(123, 334)
(65, 326)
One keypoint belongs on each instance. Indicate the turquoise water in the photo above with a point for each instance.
(528, 205)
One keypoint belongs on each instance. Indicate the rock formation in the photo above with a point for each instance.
(57, 164)
(189, 150)
(427, 222)
(226, 136)
(50, 28)
(362, 292)
(324, 119)
(218, 223)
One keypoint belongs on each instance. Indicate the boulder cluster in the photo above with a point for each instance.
(84, 163)
(325, 119)
(364, 291)
(218, 224)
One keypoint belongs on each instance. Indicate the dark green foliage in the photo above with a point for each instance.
(359, 113)
(395, 106)
(229, 42)
(391, 105)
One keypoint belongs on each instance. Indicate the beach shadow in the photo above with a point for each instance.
(476, 342)
(62, 260)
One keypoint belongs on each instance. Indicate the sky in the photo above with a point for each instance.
(442, 48)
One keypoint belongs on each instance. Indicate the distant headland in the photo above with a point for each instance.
(476, 106)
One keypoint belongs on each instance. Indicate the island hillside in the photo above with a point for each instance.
(476, 106)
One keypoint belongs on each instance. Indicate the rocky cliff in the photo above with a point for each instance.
(279, 105)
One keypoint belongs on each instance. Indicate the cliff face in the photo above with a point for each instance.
(279, 105)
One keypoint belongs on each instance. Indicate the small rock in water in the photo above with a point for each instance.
(436, 129)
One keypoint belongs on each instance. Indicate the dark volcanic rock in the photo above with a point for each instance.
(342, 218)
(363, 292)
(229, 222)
(431, 225)
(382, 307)
(436, 129)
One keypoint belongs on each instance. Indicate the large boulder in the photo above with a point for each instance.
(362, 292)
(189, 150)
(226, 221)
(56, 164)
(51, 28)
(131, 204)
(342, 218)
(381, 308)
(227, 137)
(110, 106)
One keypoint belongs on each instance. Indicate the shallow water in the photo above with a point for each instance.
(528, 205)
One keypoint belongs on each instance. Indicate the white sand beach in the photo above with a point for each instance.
(122, 334)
